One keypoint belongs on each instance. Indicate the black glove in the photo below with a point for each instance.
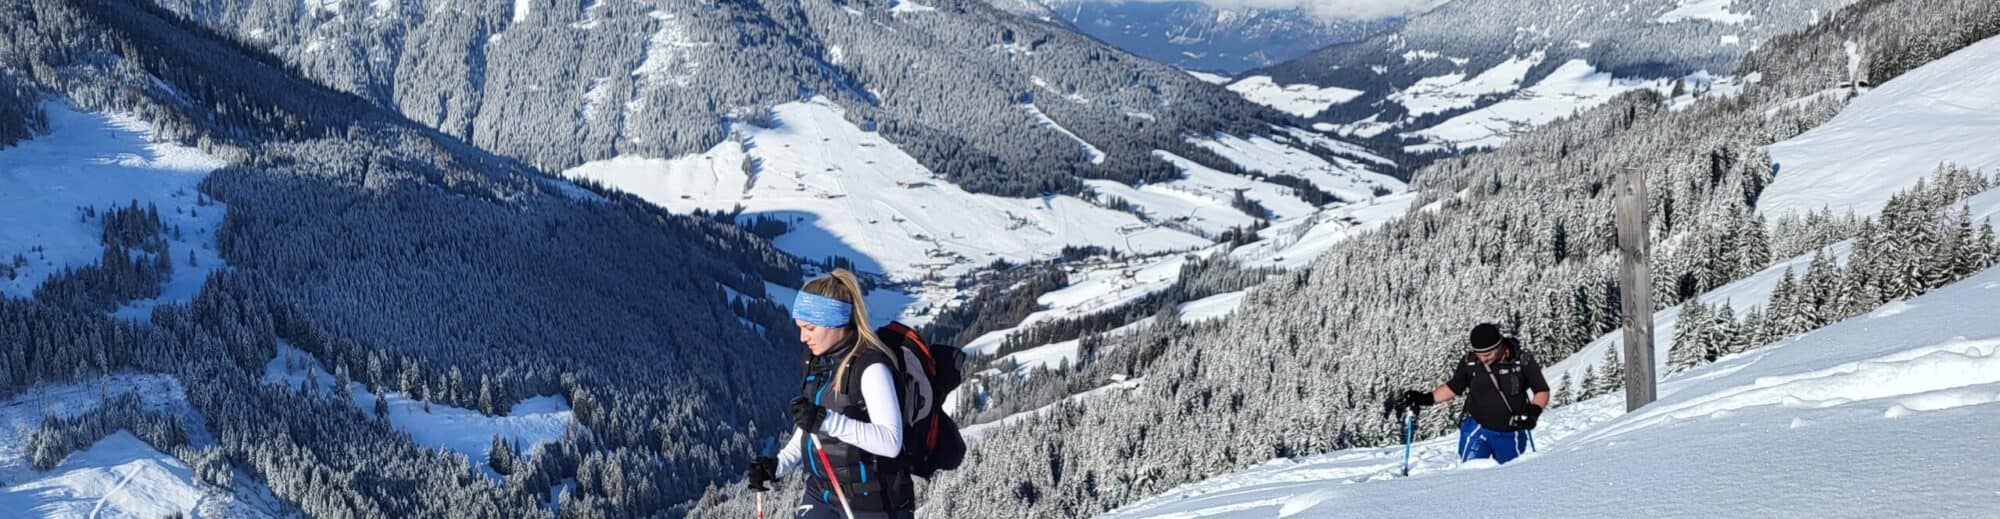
(763, 469)
(1527, 418)
(1415, 398)
(807, 416)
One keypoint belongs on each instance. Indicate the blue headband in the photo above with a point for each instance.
(821, 310)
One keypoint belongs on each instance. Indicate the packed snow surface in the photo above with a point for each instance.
(1302, 100)
(1946, 111)
(99, 160)
(1886, 413)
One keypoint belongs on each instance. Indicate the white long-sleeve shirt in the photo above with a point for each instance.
(881, 435)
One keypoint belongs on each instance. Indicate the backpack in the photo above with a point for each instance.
(924, 375)
(1516, 382)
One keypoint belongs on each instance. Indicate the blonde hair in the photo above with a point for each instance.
(842, 286)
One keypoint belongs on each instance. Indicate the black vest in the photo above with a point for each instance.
(1498, 390)
(872, 483)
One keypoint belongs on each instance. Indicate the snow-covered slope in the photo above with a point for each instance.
(1295, 244)
(1711, 10)
(1572, 87)
(1753, 291)
(1350, 179)
(1474, 73)
(1302, 100)
(97, 160)
(1860, 188)
(1118, 388)
(849, 192)
(1288, 245)
(1946, 111)
(1883, 142)
(1883, 413)
(852, 193)
(119, 476)
(1057, 355)
(530, 422)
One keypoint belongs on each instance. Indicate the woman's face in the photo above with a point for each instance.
(819, 339)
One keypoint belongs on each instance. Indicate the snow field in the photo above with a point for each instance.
(101, 160)
(1572, 87)
(853, 193)
(531, 422)
(1301, 100)
(1452, 91)
(1887, 138)
(1835, 174)
(1709, 10)
(1117, 389)
(119, 476)
(1348, 179)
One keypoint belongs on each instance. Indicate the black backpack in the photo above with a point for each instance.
(924, 375)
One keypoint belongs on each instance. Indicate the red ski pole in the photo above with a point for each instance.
(837, 492)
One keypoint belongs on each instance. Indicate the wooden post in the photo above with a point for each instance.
(1636, 285)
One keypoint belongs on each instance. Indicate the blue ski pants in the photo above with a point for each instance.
(1476, 442)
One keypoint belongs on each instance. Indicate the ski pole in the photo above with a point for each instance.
(837, 492)
(760, 505)
(1409, 427)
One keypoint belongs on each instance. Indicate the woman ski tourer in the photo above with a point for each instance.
(1504, 396)
(849, 424)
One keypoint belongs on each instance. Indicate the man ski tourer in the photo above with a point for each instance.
(1504, 396)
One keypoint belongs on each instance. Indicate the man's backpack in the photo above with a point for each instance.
(925, 374)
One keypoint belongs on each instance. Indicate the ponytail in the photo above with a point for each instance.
(843, 286)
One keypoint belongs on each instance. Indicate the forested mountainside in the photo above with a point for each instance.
(1197, 36)
(1472, 73)
(558, 85)
(1520, 236)
(400, 259)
